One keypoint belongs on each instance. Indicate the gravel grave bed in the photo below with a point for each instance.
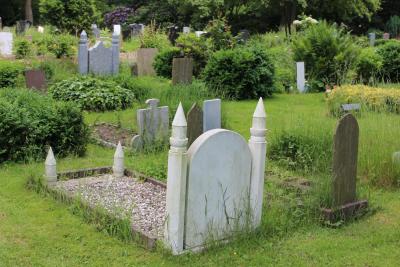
(142, 202)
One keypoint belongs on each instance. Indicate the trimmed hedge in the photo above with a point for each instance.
(29, 122)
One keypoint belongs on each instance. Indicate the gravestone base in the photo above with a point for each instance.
(345, 212)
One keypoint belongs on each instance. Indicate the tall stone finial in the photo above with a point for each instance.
(50, 167)
(115, 47)
(176, 183)
(83, 54)
(258, 149)
(118, 167)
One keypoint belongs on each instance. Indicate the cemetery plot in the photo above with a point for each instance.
(109, 135)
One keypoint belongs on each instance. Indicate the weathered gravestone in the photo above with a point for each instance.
(372, 37)
(1, 24)
(95, 31)
(145, 59)
(6, 43)
(186, 30)
(211, 114)
(182, 70)
(98, 59)
(173, 34)
(345, 155)
(215, 188)
(136, 29)
(35, 79)
(194, 123)
(153, 125)
(386, 36)
(243, 36)
(301, 79)
(22, 26)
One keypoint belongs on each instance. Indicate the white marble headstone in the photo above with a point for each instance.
(6, 43)
(301, 80)
(372, 37)
(211, 114)
(186, 30)
(218, 184)
(40, 29)
(117, 29)
(199, 33)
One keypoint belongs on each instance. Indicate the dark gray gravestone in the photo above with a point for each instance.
(345, 153)
(182, 70)
(35, 79)
(194, 123)
(95, 31)
(173, 34)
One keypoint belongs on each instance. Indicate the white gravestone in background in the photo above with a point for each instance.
(6, 43)
(40, 29)
(117, 29)
(372, 37)
(301, 80)
(186, 30)
(211, 114)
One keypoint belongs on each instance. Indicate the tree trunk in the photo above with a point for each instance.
(28, 11)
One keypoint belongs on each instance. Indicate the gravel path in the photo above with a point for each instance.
(143, 202)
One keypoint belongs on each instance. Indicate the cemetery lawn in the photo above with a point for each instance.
(36, 230)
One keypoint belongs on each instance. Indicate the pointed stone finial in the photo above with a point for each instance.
(179, 139)
(260, 111)
(258, 128)
(83, 34)
(118, 167)
(50, 167)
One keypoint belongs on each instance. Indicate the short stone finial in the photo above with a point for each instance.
(179, 129)
(50, 167)
(83, 35)
(259, 120)
(118, 167)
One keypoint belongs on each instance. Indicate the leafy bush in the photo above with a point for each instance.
(22, 48)
(285, 71)
(393, 26)
(153, 37)
(328, 52)
(125, 81)
(390, 53)
(30, 122)
(9, 73)
(369, 66)
(219, 34)
(62, 45)
(92, 94)
(240, 73)
(196, 48)
(374, 99)
(163, 62)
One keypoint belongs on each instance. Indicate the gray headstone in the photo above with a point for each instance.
(83, 54)
(386, 36)
(211, 114)
(301, 79)
(351, 107)
(173, 34)
(396, 159)
(372, 37)
(186, 30)
(22, 26)
(218, 184)
(136, 29)
(100, 59)
(194, 123)
(153, 122)
(6, 43)
(345, 154)
(95, 31)
(182, 70)
(145, 59)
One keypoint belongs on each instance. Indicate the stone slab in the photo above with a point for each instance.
(218, 184)
(6, 44)
(194, 123)
(182, 70)
(211, 114)
(345, 155)
(301, 79)
(35, 79)
(100, 59)
(153, 122)
(351, 107)
(145, 59)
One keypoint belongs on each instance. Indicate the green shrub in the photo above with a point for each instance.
(393, 26)
(62, 45)
(219, 34)
(285, 70)
(328, 52)
(153, 37)
(240, 73)
(9, 73)
(92, 94)
(23, 48)
(125, 81)
(390, 53)
(369, 66)
(30, 122)
(163, 62)
(196, 48)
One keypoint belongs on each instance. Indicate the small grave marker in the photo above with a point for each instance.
(194, 123)
(95, 31)
(6, 43)
(182, 70)
(35, 79)
(351, 107)
(145, 59)
(372, 37)
(386, 36)
(186, 30)
(301, 80)
(40, 29)
(211, 114)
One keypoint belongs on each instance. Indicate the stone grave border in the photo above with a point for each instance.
(143, 239)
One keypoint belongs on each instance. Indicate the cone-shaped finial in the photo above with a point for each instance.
(119, 152)
(260, 111)
(179, 119)
(83, 33)
(50, 159)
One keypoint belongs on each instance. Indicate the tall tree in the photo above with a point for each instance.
(28, 11)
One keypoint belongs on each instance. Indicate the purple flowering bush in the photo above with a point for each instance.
(118, 16)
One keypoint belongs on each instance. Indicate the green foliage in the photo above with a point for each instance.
(369, 66)
(328, 52)
(285, 71)
(196, 48)
(9, 73)
(30, 122)
(163, 62)
(23, 48)
(69, 15)
(219, 33)
(393, 26)
(240, 73)
(62, 45)
(153, 37)
(92, 94)
(390, 53)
